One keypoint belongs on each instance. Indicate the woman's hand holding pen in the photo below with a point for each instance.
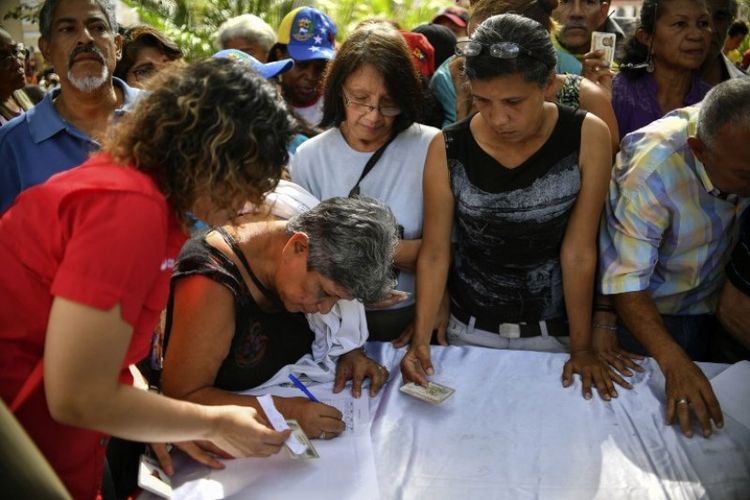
(318, 420)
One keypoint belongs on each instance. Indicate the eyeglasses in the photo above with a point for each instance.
(500, 50)
(364, 108)
(17, 51)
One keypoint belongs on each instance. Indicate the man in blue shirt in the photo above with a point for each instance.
(79, 39)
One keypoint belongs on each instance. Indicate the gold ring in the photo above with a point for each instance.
(682, 401)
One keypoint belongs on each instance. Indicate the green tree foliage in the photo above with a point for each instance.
(193, 23)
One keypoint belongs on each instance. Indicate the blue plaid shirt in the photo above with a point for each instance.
(667, 229)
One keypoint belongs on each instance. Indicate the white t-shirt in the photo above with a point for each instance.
(312, 114)
(327, 166)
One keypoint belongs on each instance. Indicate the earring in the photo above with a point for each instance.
(650, 64)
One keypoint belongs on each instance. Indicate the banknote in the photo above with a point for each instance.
(433, 393)
(310, 451)
(606, 43)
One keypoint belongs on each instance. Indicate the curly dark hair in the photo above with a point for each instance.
(382, 47)
(213, 127)
(139, 37)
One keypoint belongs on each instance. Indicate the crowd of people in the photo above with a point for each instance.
(174, 232)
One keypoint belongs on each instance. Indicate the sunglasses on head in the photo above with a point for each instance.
(499, 50)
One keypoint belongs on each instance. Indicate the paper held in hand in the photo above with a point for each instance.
(297, 443)
(152, 479)
(606, 43)
(433, 393)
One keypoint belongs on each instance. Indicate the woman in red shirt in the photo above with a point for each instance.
(87, 258)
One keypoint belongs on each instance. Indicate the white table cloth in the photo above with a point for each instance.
(512, 432)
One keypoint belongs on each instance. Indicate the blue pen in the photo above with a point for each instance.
(302, 388)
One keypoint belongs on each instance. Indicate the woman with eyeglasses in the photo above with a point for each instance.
(524, 180)
(13, 100)
(372, 101)
(145, 52)
(660, 69)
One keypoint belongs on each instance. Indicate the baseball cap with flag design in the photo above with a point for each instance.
(308, 34)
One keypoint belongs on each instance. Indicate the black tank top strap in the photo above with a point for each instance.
(270, 294)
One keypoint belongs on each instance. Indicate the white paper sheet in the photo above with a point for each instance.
(732, 388)
(345, 469)
(356, 411)
(277, 421)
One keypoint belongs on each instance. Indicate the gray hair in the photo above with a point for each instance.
(249, 27)
(728, 103)
(48, 11)
(351, 242)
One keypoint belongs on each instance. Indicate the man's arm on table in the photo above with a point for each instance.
(684, 380)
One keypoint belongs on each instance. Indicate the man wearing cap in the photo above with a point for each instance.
(307, 36)
(266, 70)
(269, 71)
(454, 18)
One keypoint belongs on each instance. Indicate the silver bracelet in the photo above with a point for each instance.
(605, 327)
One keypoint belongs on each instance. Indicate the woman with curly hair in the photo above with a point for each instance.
(87, 258)
(372, 102)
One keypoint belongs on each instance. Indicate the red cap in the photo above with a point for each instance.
(422, 52)
(457, 15)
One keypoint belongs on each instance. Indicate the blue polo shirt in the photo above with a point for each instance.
(39, 143)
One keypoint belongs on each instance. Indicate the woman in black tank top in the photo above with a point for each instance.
(524, 180)
(239, 293)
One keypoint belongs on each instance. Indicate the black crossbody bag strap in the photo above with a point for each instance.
(368, 166)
